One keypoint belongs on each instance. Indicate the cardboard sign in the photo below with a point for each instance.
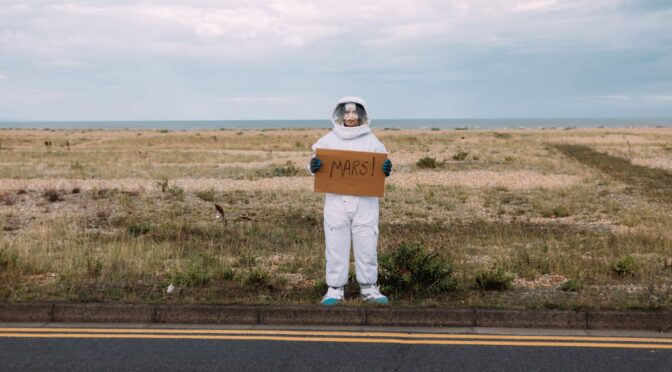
(351, 173)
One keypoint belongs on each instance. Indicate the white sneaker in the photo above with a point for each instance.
(372, 294)
(333, 296)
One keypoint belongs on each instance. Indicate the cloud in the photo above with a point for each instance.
(3, 77)
(663, 98)
(130, 57)
(244, 30)
(530, 6)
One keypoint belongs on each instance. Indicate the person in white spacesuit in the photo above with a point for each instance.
(348, 217)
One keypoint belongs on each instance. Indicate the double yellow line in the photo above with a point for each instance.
(341, 336)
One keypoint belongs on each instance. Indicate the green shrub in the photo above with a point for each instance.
(461, 155)
(176, 192)
(191, 277)
(288, 170)
(496, 279)
(197, 271)
(426, 162)
(138, 228)
(626, 266)
(571, 285)
(257, 277)
(411, 268)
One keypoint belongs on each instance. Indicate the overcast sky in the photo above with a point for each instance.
(291, 59)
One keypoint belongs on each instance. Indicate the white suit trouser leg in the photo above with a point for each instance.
(351, 218)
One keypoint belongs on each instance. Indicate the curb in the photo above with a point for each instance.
(660, 321)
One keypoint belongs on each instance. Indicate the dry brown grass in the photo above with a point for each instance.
(515, 201)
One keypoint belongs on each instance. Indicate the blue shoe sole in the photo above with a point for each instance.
(379, 301)
(330, 302)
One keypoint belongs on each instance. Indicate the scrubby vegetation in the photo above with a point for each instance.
(560, 219)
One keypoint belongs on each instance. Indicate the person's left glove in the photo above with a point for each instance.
(387, 167)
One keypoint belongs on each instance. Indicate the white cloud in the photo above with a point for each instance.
(535, 5)
(3, 77)
(243, 30)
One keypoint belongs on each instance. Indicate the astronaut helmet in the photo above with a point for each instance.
(350, 112)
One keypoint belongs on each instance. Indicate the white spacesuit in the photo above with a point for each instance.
(349, 217)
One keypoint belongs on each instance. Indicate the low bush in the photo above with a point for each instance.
(138, 228)
(176, 192)
(411, 268)
(626, 266)
(426, 163)
(571, 285)
(288, 170)
(460, 155)
(257, 277)
(197, 272)
(495, 279)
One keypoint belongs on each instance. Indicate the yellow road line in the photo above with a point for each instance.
(334, 333)
(339, 339)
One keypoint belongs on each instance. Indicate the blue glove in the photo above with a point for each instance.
(387, 167)
(315, 164)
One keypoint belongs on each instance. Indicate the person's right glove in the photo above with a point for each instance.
(315, 164)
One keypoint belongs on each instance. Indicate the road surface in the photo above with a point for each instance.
(87, 347)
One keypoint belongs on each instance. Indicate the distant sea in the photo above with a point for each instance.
(380, 123)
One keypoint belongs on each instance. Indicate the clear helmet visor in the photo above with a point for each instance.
(350, 114)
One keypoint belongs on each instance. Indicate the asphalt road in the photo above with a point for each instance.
(129, 349)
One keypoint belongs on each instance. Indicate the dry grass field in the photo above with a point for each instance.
(532, 218)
